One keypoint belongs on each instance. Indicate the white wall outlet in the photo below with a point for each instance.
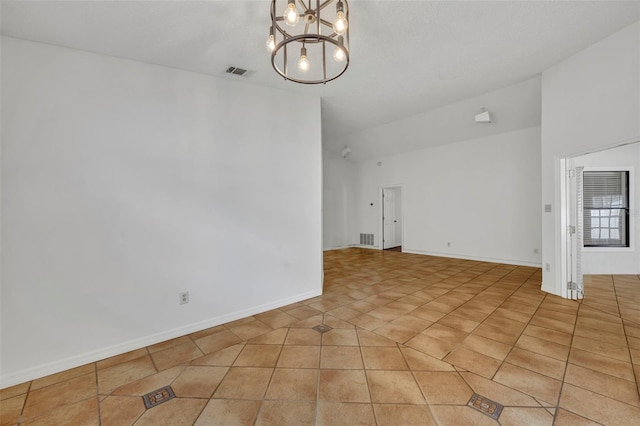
(184, 297)
(547, 267)
(448, 244)
(536, 251)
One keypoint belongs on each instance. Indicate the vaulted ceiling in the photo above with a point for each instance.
(407, 57)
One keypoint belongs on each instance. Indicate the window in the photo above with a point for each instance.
(606, 208)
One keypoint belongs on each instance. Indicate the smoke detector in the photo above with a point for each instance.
(484, 117)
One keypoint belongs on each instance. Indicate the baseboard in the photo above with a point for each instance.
(100, 354)
(352, 246)
(476, 258)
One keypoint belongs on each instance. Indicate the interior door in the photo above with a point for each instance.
(575, 285)
(391, 224)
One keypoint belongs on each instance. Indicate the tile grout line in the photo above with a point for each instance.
(624, 329)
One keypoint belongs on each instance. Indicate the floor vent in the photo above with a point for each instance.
(366, 239)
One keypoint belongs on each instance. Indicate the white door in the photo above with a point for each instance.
(575, 285)
(391, 214)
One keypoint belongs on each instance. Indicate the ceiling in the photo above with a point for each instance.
(407, 57)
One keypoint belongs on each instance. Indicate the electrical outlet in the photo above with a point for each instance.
(535, 251)
(448, 244)
(547, 267)
(184, 297)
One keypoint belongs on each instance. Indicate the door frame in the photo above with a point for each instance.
(381, 212)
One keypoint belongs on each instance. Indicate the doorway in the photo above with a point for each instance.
(392, 218)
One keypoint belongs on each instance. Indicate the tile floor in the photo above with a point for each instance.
(412, 340)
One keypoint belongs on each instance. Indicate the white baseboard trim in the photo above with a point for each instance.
(476, 258)
(47, 369)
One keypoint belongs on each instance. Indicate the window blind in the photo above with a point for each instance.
(606, 208)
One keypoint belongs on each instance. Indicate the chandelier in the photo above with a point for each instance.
(309, 40)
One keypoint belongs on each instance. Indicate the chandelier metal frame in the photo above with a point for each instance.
(308, 31)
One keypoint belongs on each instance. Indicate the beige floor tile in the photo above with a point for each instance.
(127, 372)
(460, 415)
(285, 413)
(121, 410)
(603, 384)
(43, 400)
(383, 358)
(62, 376)
(84, 413)
(340, 337)
(602, 363)
(367, 322)
(543, 347)
(150, 383)
(341, 357)
(293, 384)
(485, 346)
(567, 418)
(497, 392)
(483, 365)
(444, 388)
(548, 335)
(458, 323)
(597, 407)
(275, 337)
(430, 346)
(177, 355)
(539, 363)
(244, 383)
(344, 414)
(393, 387)
(601, 335)
(367, 338)
(516, 416)
(397, 333)
(222, 358)
(277, 319)
(445, 334)
(419, 361)
(497, 334)
(537, 385)
(119, 359)
(250, 330)
(176, 412)
(229, 412)
(207, 332)
(343, 385)
(299, 357)
(303, 336)
(11, 408)
(258, 356)
(168, 344)
(621, 353)
(403, 414)
(427, 314)
(217, 341)
(13, 391)
(198, 382)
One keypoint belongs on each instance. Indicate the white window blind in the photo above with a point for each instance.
(606, 208)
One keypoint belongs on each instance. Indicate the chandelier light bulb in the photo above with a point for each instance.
(291, 15)
(341, 24)
(303, 63)
(339, 55)
(271, 43)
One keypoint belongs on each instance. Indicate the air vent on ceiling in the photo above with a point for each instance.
(239, 71)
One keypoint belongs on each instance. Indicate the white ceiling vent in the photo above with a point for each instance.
(241, 72)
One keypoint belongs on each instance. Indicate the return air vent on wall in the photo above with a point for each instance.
(241, 72)
(366, 239)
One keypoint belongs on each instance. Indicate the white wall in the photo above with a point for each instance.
(338, 201)
(125, 183)
(596, 260)
(480, 195)
(590, 101)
